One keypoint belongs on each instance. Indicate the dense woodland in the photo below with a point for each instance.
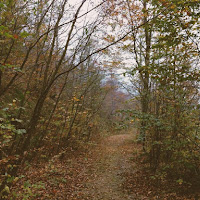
(73, 72)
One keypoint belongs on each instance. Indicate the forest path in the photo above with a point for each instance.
(107, 170)
(111, 160)
(98, 173)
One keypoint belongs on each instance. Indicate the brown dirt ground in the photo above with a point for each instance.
(109, 170)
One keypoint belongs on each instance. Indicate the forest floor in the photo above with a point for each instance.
(109, 172)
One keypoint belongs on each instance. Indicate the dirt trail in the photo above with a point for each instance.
(110, 170)
(110, 162)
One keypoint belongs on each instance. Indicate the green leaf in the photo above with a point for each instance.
(2, 28)
(24, 34)
(27, 184)
(1, 5)
(20, 131)
(7, 189)
(8, 35)
(180, 181)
